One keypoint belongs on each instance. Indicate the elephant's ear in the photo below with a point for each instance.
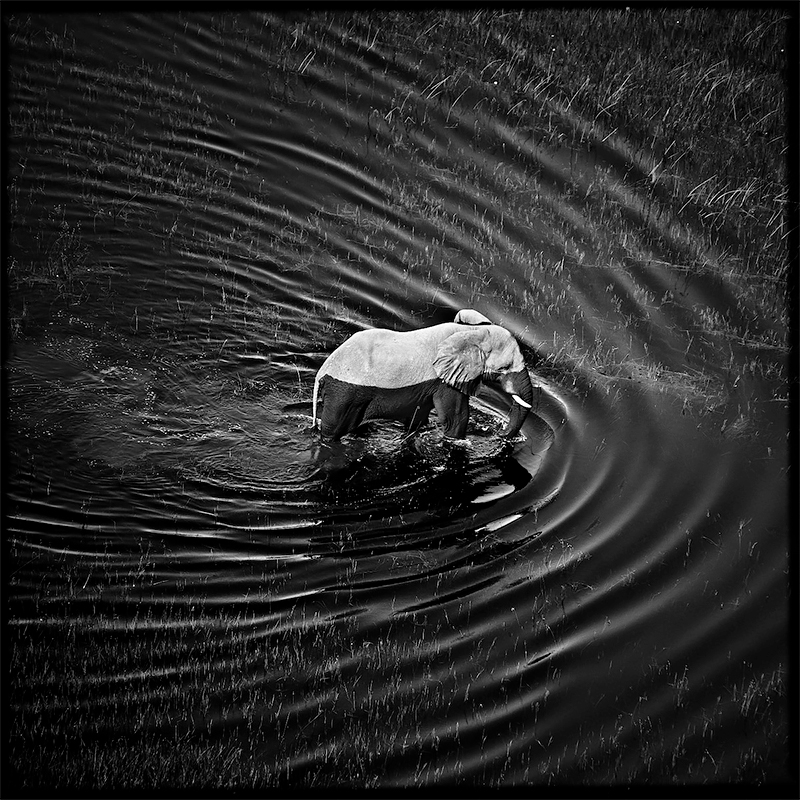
(460, 362)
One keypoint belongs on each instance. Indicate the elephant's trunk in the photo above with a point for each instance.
(517, 384)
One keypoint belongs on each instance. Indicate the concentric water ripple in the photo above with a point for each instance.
(206, 208)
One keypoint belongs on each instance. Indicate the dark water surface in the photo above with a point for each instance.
(202, 209)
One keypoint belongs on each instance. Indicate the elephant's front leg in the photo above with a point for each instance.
(452, 407)
(343, 408)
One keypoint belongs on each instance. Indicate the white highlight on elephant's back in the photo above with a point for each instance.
(383, 358)
(495, 493)
(499, 523)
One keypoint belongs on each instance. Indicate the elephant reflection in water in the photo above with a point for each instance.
(383, 374)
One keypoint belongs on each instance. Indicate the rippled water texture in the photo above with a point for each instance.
(201, 209)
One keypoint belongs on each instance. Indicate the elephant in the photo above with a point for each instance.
(385, 374)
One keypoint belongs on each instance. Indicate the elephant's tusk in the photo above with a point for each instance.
(517, 399)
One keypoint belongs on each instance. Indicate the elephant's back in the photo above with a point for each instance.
(387, 359)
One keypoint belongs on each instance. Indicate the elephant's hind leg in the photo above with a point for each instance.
(340, 421)
(343, 409)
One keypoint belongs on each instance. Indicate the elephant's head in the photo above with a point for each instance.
(483, 351)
